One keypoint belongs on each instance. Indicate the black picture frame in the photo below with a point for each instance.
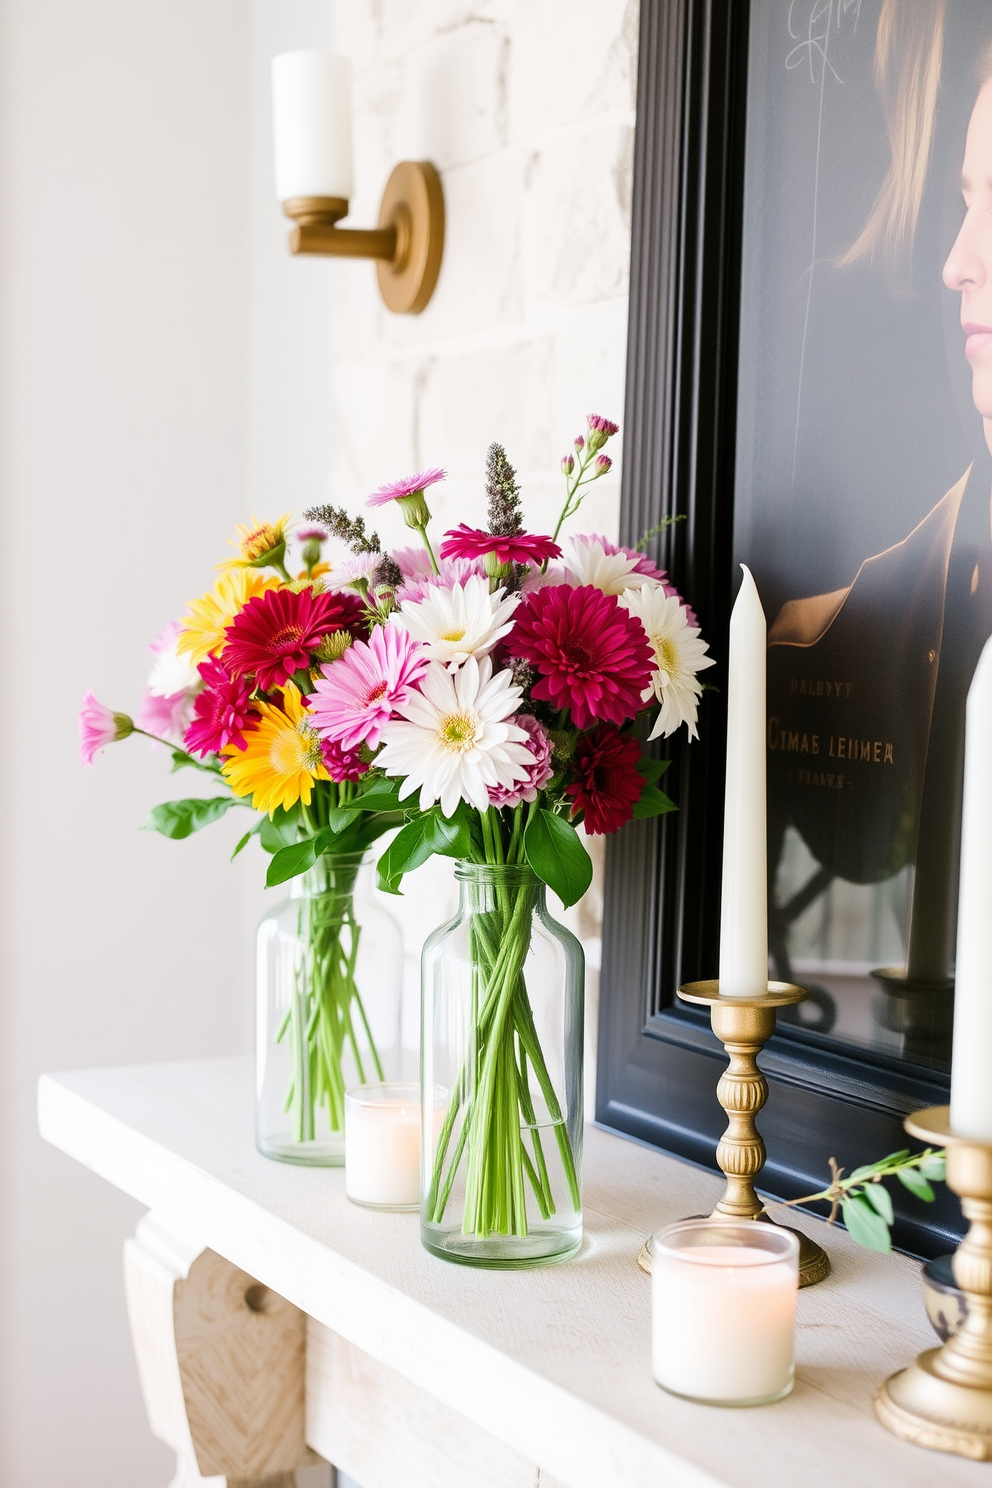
(658, 1062)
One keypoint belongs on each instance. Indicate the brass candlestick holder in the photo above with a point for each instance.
(944, 1400)
(743, 1025)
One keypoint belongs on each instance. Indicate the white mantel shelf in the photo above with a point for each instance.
(554, 1363)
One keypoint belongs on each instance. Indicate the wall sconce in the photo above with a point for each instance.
(311, 96)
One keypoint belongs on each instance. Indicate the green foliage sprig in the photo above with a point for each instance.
(864, 1205)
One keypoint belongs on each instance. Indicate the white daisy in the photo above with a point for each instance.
(679, 654)
(457, 741)
(587, 562)
(458, 621)
(171, 673)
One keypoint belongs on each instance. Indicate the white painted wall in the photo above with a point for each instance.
(164, 369)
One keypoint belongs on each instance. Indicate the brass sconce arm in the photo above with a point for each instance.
(406, 246)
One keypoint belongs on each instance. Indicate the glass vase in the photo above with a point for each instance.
(329, 973)
(501, 1077)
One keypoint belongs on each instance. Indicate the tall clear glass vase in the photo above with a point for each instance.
(329, 983)
(501, 1077)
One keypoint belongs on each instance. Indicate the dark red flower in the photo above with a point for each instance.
(277, 632)
(222, 712)
(341, 763)
(471, 542)
(607, 783)
(592, 655)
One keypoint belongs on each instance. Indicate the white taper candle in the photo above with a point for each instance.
(971, 1069)
(311, 115)
(744, 916)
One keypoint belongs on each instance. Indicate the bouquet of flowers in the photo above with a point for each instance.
(482, 698)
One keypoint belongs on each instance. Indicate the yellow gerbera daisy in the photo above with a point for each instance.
(259, 544)
(202, 632)
(282, 757)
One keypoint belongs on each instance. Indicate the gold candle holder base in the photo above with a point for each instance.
(944, 1400)
(743, 1025)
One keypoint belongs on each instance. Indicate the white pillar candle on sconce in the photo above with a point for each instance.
(311, 110)
(744, 913)
(971, 1087)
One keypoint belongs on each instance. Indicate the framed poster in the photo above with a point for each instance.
(810, 391)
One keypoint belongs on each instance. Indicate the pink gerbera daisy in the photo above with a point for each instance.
(99, 725)
(166, 717)
(276, 633)
(357, 694)
(593, 657)
(471, 542)
(451, 571)
(412, 486)
(222, 712)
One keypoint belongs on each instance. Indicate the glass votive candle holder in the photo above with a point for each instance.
(382, 1145)
(724, 1311)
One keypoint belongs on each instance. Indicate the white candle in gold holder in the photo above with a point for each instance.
(724, 1311)
(382, 1145)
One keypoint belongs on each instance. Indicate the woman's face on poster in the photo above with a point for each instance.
(969, 264)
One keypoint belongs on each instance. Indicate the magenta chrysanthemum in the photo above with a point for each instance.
(311, 534)
(471, 542)
(222, 713)
(99, 725)
(539, 773)
(357, 694)
(593, 657)
(607, 783)
(409, 487)
(340, 763)
(277, 632)
(602, 425)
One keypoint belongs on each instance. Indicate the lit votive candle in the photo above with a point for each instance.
(724, 1311)
(382, 1145)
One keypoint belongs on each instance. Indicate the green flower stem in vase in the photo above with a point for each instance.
(502, 1076)
(328, 1010)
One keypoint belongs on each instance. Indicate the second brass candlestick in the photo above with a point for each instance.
(743, 1025)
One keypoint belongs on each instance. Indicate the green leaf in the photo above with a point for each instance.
(180, 760)
(881, 1201)
(177, 819)
(281, 831)
(418, 841)
(934, 1166)
(556, 854)
(338, 818)
(252, 831)
(653, 802)
(877, 1167)
(653, 769)
(290, 861)
(381, 795)
(918, 1186)
(865, 1225)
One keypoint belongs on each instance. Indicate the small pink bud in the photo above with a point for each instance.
(567, 464)
(579, 444)
(603, 463)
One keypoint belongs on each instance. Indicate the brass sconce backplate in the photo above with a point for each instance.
(407, 245)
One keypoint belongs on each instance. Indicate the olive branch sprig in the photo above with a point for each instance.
(861, 1201)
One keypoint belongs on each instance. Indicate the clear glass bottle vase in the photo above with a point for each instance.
(329, 972)
(501, 1077)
